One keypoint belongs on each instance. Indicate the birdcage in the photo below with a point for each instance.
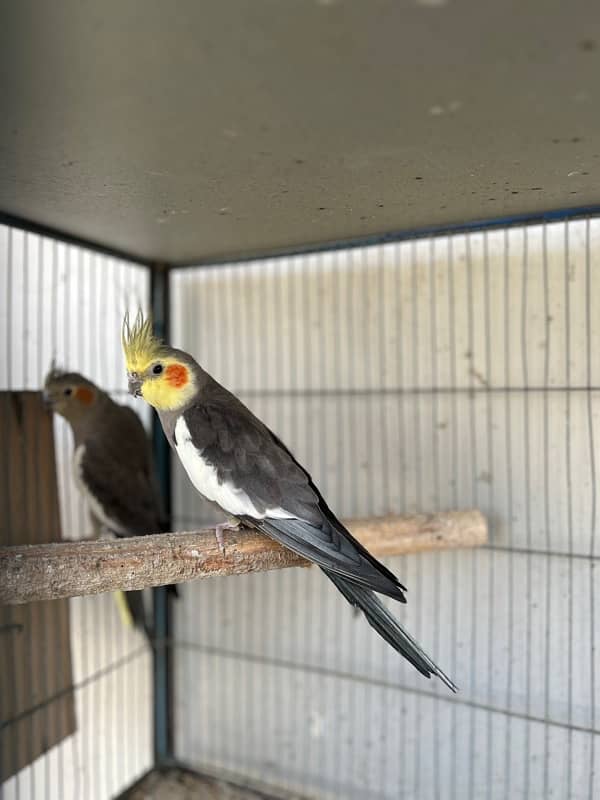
(422, 338)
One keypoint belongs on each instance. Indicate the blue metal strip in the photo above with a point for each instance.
(163, 739)
(531, 218)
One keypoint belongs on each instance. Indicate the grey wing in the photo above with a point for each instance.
(335, 550)
(249, 456)
(244, 454)
(124, 491)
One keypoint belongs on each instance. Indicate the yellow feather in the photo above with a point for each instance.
(140, 345)
(124, 611)
(142, 348)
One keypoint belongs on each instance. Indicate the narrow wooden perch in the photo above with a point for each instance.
(70, 569)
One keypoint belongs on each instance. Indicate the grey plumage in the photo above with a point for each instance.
(234, 449)
(112, 463)
(117, 470)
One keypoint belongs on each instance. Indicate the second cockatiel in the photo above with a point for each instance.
(112, 464)
(235, 461)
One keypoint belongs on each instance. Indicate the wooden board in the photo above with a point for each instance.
(36, 696)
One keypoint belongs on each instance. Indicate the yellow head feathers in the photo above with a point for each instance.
(165, 378)
(140, 345)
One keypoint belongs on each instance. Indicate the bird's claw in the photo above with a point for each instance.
(230, 525)
(220, 539)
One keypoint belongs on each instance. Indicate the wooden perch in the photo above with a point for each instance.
(70, 569)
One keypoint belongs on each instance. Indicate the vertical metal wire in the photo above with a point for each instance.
(341, 479)
(261, 312)
(92, 615)
(527, 487)
(307, 381)
(53, 327)
(279, 623)
(372, 377)
(92, 282)
(594, 504)
(26, 446)
(509, 513)
(321, 372)
(435, 451)
(402, 455)
(547, 515)
(491, 554)
(246, 378)
(131, 743)
(110, 632)
(383, 330)
(43, 608)
(417, 467)
(185, 722)
(454, 462)
(67, 511)
(569, 500)
(354, 315)
(210, 664)
(474, 503)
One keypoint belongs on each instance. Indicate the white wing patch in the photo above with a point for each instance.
(95, 506)
(232, 499)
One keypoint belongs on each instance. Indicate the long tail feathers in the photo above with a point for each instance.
(387, 627)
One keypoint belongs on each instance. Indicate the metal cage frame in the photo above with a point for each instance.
(163, 737)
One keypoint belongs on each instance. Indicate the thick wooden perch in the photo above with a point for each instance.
(70, 569)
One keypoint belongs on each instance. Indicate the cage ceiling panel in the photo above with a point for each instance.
(188, 131)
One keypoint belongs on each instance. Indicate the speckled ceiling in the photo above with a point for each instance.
(195, 130)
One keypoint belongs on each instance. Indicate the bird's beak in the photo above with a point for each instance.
(134, 385)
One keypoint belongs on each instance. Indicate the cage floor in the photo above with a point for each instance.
(181, 784)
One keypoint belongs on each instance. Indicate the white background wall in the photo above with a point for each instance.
(444, 373)
(62, 301)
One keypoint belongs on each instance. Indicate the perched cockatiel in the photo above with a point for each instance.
(112, 464)
(235, 461)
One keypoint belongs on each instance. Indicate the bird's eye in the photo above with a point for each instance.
(157, 369)
(68, 391)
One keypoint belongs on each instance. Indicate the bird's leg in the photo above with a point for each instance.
(231, 524)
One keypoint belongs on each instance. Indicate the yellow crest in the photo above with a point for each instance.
(140, 345)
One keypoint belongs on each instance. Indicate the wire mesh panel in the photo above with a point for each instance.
(444, 373)
(63, 302)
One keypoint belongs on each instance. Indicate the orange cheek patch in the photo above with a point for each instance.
(84, 395)
(177, 375)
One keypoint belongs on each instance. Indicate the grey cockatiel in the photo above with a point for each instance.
(112, 463)
(234, 460)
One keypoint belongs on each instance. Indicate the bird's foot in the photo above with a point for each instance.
(230, 525)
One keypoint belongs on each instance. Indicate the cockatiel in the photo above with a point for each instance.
(235, 461)
(112, 464)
